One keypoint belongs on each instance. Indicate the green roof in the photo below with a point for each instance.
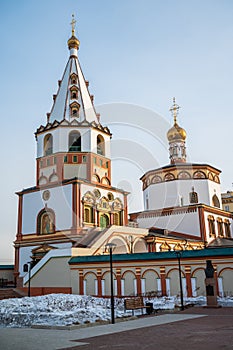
(6, 267)
(201, 253)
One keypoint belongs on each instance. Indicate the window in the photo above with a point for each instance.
(107, 165)
(41, 164)
(84, 159)
(220, 227)
(88, 214)
(116, 219)
(100, 145)
(73, 78)
(215, 201)
(54, 160)
(193, 196)
(48, 162)
(74, 109)
(211, 223)
(74, 141)
(227, 228)
(75, 159)
(65, 159)
(94, 160)
(227, 208)
(101, 162)
(48, 144)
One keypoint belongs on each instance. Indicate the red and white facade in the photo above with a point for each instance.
(73, 194)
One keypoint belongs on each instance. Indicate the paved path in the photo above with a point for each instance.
(214, 331)
(47, 339)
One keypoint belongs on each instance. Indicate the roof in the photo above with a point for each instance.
(185, 254)
(6, 267)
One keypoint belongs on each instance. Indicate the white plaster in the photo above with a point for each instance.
(187, 223)
(54, 253)
(169, 194)
(60, 201)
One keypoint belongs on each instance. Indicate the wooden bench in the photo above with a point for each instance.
(134, 304)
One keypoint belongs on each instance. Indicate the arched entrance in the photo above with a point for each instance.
(104, 221)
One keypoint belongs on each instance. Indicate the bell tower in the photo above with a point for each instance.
(73, 198)
(73, 143)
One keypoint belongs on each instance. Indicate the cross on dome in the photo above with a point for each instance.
(174, 109)
(73, 23)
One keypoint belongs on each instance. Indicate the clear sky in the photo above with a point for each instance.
(136, 52)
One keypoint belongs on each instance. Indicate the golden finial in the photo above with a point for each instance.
(73, 42)
(174, 109)
(73, 23)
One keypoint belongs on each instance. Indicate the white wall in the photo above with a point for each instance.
(25, 254)
(60, 201)
(187, 223)
(168, 194)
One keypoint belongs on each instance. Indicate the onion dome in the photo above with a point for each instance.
(176, 133)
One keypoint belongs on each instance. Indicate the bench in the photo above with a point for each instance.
(135, 303)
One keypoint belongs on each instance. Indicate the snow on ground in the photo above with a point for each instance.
(68, 309)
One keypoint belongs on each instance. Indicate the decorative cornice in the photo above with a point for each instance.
(66, 123)
(180, 172)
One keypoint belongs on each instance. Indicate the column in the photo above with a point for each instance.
(188, 280)
(99, 284)
(163, 280)
(118, 278)
(138, 280)
(81, 282)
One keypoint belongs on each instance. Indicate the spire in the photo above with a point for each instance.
(176, 138)
(73, 100)
(73, 42)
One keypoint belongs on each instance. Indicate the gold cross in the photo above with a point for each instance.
(174, 109)
(73, 22)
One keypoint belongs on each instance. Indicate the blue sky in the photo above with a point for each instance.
(133, 52)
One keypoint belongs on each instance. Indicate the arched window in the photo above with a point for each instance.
(74, 141)
(215, 201)
(220, 227)
(88, 214)
(193, 196)
(104, 221)
(48, 144)
(211, 223)
(227, 228)
(73, 78)
(74, 109)
(117, 219)
(100, 145)
(46, 221)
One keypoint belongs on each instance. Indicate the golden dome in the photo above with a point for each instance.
(73, 43)
(176, 133)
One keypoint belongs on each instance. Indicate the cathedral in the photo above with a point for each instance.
(66, 220)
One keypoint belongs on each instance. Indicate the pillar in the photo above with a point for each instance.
(138, 279)
(81, 282)
(163, 280)
(99, 285)
(118, 279)
(188, 280)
